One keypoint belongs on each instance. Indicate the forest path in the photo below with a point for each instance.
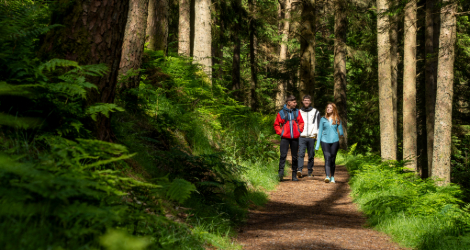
(311, 214)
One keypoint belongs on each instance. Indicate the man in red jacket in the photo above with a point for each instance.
(289, 125)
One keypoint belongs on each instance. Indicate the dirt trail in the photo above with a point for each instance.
(311, 214)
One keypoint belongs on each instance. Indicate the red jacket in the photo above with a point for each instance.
(291, 129)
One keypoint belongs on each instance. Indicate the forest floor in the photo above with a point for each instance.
(311, 214)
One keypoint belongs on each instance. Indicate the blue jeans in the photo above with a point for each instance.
(309, 145)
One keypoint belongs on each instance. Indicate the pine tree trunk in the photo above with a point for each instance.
(430, 48)
(93, 33)
(281, 95)
(340, 68)
(253, 48)
(134, 40)
(236, 81)
(307, 48)
(410, 136)
(394, 64)
(444, 95)
(202, 35)
(388, 140)
(184, 28)
(157, 25)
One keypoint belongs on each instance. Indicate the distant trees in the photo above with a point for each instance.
(340, 67)
(202, 35)
(184, 28)
(157, 25)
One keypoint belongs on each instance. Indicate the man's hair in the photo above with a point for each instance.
(307, 97)
(290, 98)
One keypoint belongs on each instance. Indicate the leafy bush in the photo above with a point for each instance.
(416, 212)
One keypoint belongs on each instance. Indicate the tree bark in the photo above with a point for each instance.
(202, 35)
(134, 40)
(410, 136)
(236, 79)
(388, 140)
(340, 68)
(430, 79)
(157, 25)
(184, 28)
(92, 34)
(253, 48)
(307, 48)
(445, 81)
(281, 95)
(394, 64)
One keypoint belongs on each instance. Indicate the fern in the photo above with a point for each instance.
(180, 190)
(102, 108)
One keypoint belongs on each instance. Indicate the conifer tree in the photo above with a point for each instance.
(202, 35)
(444, 95)
(340, 67)
(410, 136)
(184, 28)
(307, 49)
(388, 140)
(96, 37)
(157, 25)
(134, 40)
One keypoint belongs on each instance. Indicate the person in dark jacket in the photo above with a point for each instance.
(289, 125)
(330, 127)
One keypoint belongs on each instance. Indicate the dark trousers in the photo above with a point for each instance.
(329, 152)
(309, 145)
(294, 148)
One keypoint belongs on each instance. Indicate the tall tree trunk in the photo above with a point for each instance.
(184, 28)
(444, 95)
(253, 48)
(430, 79)
(307, 50)
(281, 95)
(134, 40)
(236, 79)
(340, 68)
(202, 35)
(388, 140)
(410, 136)
(157, 25)
(93, 33)
(394, 64)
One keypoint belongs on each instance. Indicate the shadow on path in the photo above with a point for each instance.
(311, 214)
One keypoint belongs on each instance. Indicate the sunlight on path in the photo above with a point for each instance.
(311, 214)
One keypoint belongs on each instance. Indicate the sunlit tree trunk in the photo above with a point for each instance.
(157, 25)
(202, 35)
(134, 39)
(281, 95)
(307, 49)
(444, 95)
(184, 28)
(340, 68)
(253, 48)
(394, 64)
(93, 33)
(388, 140)
(410, 136)
(430, 80)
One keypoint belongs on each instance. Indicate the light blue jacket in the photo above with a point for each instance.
(328, 132)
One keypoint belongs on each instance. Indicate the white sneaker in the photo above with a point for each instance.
(332, 180)
(327, 179)
(299, 174)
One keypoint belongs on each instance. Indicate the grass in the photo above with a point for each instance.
(416, 213)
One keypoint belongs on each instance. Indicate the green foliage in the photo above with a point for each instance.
(416, 212)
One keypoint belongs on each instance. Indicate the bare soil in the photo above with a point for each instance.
(311, 214)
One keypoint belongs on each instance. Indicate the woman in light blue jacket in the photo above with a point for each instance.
(330, 126)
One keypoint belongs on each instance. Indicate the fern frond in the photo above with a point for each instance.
(102, 108)
(180, 190)
(53, 63)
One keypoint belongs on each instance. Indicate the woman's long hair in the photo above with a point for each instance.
(334, 115)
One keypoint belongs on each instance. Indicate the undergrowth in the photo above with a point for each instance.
(417, 213)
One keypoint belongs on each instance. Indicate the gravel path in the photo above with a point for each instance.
(311, 214)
